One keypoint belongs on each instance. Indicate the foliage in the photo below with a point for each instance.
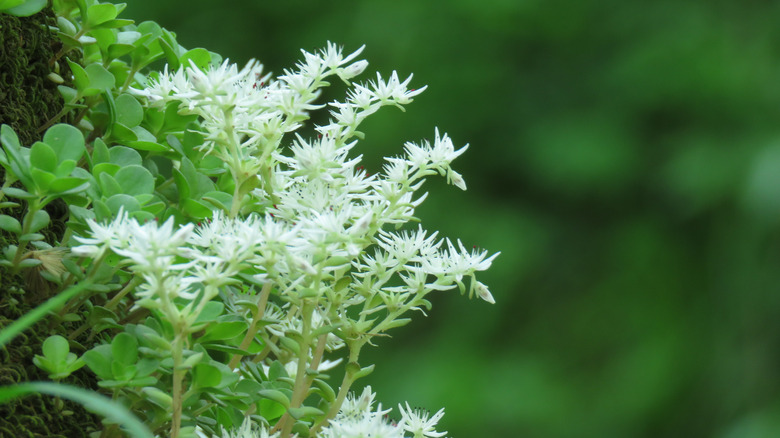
(213, 266)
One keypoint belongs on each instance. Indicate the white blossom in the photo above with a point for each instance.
(417, 422)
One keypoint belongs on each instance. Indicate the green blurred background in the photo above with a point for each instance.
(625, 160)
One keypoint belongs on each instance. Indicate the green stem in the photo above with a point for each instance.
(177, 349)
(262, 301)
(349, 378)
(121, 294)
(299, 390)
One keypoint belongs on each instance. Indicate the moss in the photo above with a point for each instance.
(28, 98)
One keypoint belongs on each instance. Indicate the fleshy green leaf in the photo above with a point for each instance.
(27, 8)
(124, 349)
(199, 56)
(100, 79)
(223, 330)
(211, 311)
(66, 141)
(18, 193)
(121, 200)
(39, 220)
(10, 224)
(129, 111)
(43, 157)
(206, 376)
(124, 156)
(135, 180)
(56, 348)
(100, 13)
(80, 76)
(99, 152)
(275, 395)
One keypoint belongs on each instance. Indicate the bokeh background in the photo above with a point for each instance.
(625, 160)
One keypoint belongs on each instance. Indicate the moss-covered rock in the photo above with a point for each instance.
(28, 98)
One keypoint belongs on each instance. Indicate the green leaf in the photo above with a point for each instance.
(99, 152)
(223, 330)
(112, 410)
(68, 185)
(100, 79)
(170, 54)
(18, 193)
(159, 397)
(270, 409)
(29, 263)
(39, 220)
(135, 180)
(325, 391)
(10, 224)
(69, 94)
(147, 146)
(100, 13)
(276, 395)
(122, 133)
(305, 412)
(221, 200)
(198, 56)
(66, 141)
(26, 9)
(119, 22)
(206, 376)
(42, 180)
(108, 185)
(43, 157)
(129, 112)
(104, 38)
(124, 156)
(8, 4)
(123, 372)
(116, 50)
(80, 76)
(65, 168)
(210, 312)
(56, 348)
(121, 200)
(98, 360)
(109, 168)
(181, 184)
(124, 349)
(29, 237)
(196, 209)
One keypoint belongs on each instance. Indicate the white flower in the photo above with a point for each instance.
(406, 246)
(443, 150)
(393, 91)
(417, 422)
(113, 234)
(152, 248)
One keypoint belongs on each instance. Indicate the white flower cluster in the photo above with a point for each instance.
(329, 210)
(313, 225)
(357, 419)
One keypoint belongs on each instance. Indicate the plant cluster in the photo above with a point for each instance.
(218, 262)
